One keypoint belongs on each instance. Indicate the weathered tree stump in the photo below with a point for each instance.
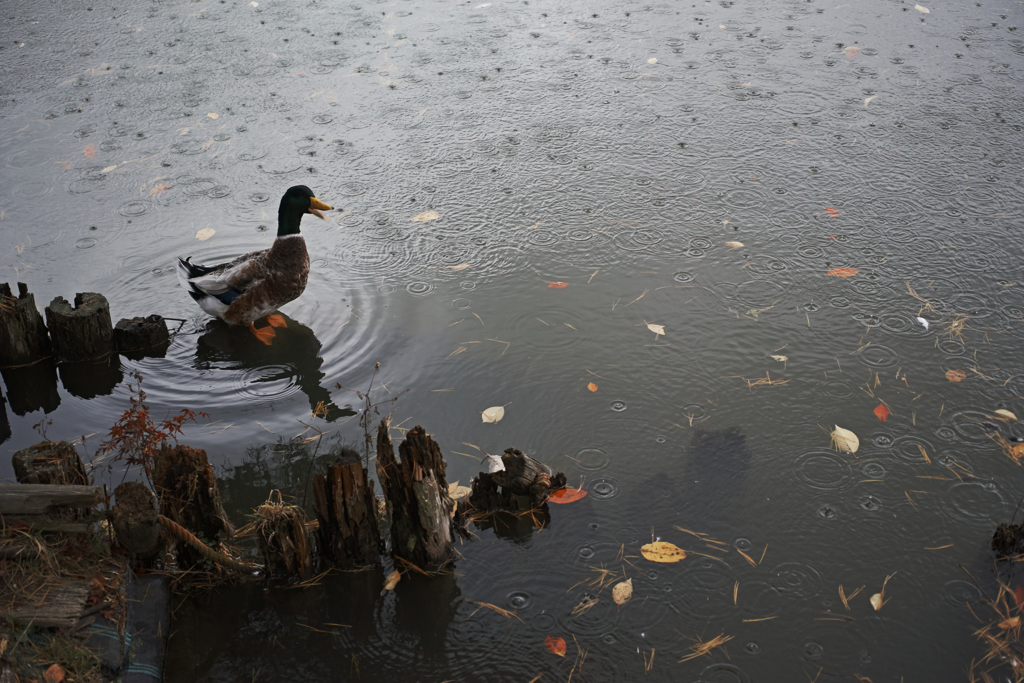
(281, 538)
(83, 332)
(189, 496)
(23, 338)
(51, 462)
(346, 508)
(525, 484)
(136, 522)
(417, 493)
(139, 338)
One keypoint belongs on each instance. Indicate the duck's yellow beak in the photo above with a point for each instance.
(316, 206)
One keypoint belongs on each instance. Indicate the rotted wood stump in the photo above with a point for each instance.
(23, 336)
(136, 522)
(83, 332)
(189, 496)
(139, 338)
(346, 508)
(281, 538)
(417, 493)
(524, 484)
(50, 462)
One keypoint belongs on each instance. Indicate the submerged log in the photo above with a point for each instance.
(417, 494)
(346, 509)
(50, 462)
(23, 337)
(281, 538)
(138, 338)
(189, 496)
(83, 332)
(136, 522)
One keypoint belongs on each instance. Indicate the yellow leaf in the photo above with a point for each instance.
(876, 601)
(622, 592)
(493, 415)
(1007, 414)
(108, 169)
(213, 116)
(660, 551)
(205, 234)
(922, 8)
(393, 578)
(845, 440)
(656, 329)
(455, 491)
(956, 375)
(461, 266)
(1012, 622)
(425, 216)
(592, 386)
(734, 245)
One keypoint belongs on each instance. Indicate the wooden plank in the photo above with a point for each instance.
(38, 499)
(61, 607)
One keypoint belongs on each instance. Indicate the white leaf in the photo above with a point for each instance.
(461, 266)
(425, 216)
(108, 169)
(486, 4)
(652, 60)
(734, 245)
(622, 592)
(495, 464)
(846, 440)
(921, 8)
(876, 601)
(656, 329)
(213, 116)
(924, 323)
(869, 99)
(781, 359)
(493, 415)
(205, 234)
(1007, 414)
(255, 4)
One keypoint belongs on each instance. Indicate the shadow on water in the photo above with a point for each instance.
(294, 356)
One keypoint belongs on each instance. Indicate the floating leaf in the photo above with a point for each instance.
(876, 601)
(881, 412)
(622, 592)
(652, 60)
(555, 645)
(734, 245)
(1017, 451)
(868, 99)
(842, 272)
(831, 211)
(90, 151)
(1012, 622)
(425, 216)
(656, 329)
(393, 578)
(1007, 414)
(567, 495)
(592, 386)
(660, 551)
(461, 266)
(495, 464)
(55, 674)
(781, 359)
(845, 440)
(254, 3)
(205, 234)
(558, 285)
(159, 189)
(213, 116)
(956, 375)
(924, 323)
(493, 415)
(1018, 596)
(923, 9)
(108, 169)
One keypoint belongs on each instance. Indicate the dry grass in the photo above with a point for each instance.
(1004, 650)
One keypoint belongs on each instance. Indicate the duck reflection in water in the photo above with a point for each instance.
(294, 356)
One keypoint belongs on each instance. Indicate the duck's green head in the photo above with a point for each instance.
(296, 201)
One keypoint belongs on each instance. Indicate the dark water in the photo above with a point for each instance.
(615, 147)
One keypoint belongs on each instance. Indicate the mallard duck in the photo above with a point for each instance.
(254, 285)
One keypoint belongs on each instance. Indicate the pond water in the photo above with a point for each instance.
(618, 148)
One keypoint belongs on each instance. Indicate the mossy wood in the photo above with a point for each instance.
(417, 494)
(188, 493)
(346, 508)
(136, 522)
(23, 336)
(83, 332)
(50, 462)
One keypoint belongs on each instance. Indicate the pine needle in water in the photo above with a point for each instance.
(701, 648)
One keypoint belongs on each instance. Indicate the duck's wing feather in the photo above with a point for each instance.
(235, 275)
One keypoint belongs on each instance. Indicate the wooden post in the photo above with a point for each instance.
(189, 496)
(83, 332)
(281, 538)
(23, 338)
(346, 509)
(138, 338)
(51, 462)
(136, 522)
(417, 493)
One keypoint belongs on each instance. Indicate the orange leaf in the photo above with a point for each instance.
(881, 412)
(159, 189)
(558, 285)
(843, 272)
(90, 151)
(955, 375)
(55, 674)
(1018, 596)
(566, 495)
(555, 645)
(832, 212)
(592, 386)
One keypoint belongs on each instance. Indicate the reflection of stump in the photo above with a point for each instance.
(346, 509)
(83, 332)
(33, 387)
(52, 462)
(417, 493)
(138, 338)
(23, 338)
(281, 537)
(1006, 538)
(188, 492)
(135, 522)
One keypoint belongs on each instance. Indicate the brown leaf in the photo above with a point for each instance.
(55, 674)
(831, 211)
(622, 592)
(567, 495)
(555, 645)
(842, 272)
(592, 386)
(955, 375)
(558, 285)
(90, 151)
(881, 412)
(159, 189)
